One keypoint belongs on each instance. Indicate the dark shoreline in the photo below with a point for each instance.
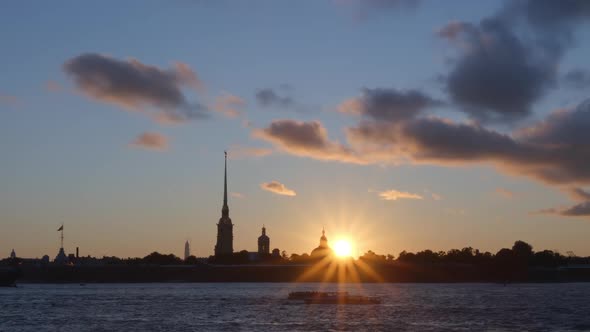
(295, 273)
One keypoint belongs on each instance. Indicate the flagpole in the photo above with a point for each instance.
(62, 235)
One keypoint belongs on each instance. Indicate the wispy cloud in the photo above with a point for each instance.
(577, 210)
(435, 196)
(151, 141)
(267, 97)
(394, 195)
(277, 188)
(8, 99)
(236, 195)
(229, 105)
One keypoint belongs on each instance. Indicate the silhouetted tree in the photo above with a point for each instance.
(160, 259)
(522, 250)
(191, 260)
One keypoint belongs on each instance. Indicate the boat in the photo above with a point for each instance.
(8, 276)
(315, 297)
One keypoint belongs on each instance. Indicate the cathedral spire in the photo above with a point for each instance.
(225, 235)
(225, 209)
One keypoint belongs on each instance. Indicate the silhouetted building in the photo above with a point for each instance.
(323, 249)
(187, 250)
(276, 253)
(61, 257)
(263, 243)
(225, 227)
(12, 254)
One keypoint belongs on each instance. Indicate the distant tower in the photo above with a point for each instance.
(225, 237)
(263, 243)
(187, 250)
(61, 257)
(12, 254)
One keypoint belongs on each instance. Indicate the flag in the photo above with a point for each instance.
(61, 228)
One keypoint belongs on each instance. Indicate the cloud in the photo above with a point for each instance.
(434, 195)
(133, 85)
(577, 210)
(307, 139)
(236, 195)
(269, 98)
(151, 141)
(239, 152)
(577, 78)
(552, 151)
(504, 193)
(388, 104)
(497, 77)
(556, 17)
(229, 105)
(8, 99)
(394, 195)
(508, 61)
(579, 194)
(277, 188)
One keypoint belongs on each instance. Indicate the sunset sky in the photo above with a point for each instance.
(396, 124)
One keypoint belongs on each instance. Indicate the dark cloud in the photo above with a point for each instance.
(577, 78)
(549, 15)
(578, 210)
(389, 104)
(554, 151)
(508, 61)
(269, 98)
(307, 139)
(562, 128)
(497, 77)
(134, 85)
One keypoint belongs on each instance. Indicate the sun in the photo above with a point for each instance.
(342, 248)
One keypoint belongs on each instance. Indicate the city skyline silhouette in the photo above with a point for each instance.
(396, 126)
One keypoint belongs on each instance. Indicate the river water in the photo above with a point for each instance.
(264, 307)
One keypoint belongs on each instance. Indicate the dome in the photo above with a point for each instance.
(323, 249)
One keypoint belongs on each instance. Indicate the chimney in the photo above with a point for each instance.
(77, 252)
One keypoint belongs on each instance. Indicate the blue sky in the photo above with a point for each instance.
(68, 156)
